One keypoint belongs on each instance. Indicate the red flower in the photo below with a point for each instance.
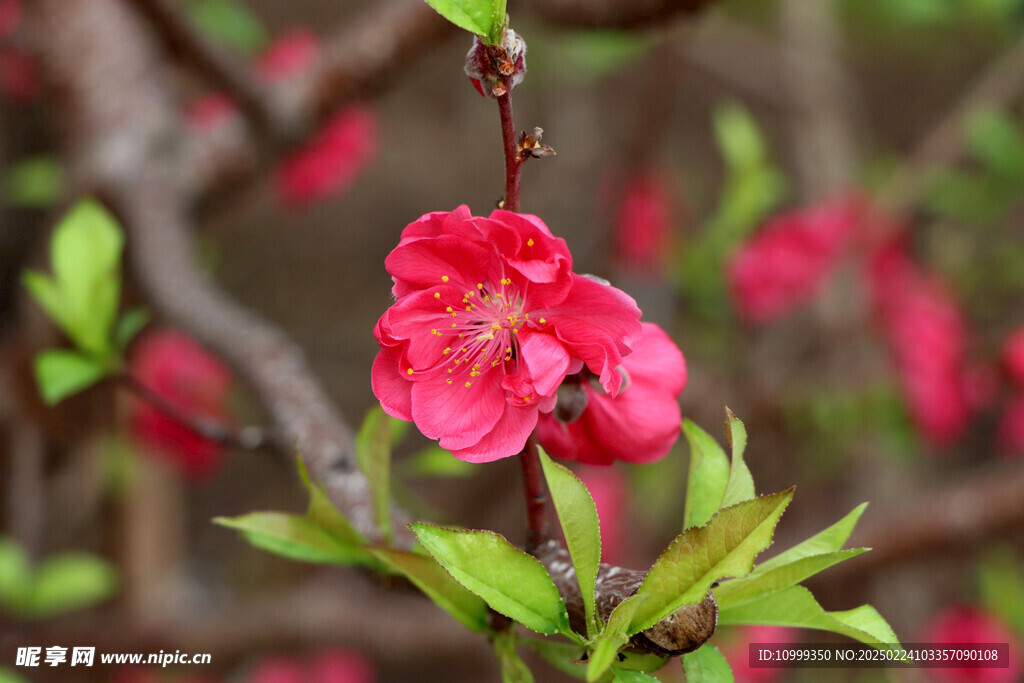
(786, 263)
(643, 226)
(966, 624)
(335, 666)
(737, 651)
(331, 161)
(928, 338)
(489, 320)
(640, 424)
(19, 76)
(288, 56)
(610, 491)
(210, 111)
(1011, 425)
(1013, 355)
(184, 374)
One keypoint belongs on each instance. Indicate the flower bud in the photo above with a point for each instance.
(496, 69)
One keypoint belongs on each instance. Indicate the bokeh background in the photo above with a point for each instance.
(821, 202)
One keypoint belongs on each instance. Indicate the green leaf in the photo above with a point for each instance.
(996, 139)
(297, 538)
(9, 676)
(128, 326)
(631, 676)
(577, 514)
(709, 475)
(741, 483)
(15, 573)
(61, 373)
(1001, 579)
(726, 546)
(48, 295)
(230, 23)
(758, 584)
(622, 616)
(70, 581)
(707, 665)
(34, 183)
(321, 511)
(434, 462)
(603, 654)
(829, 540)
(513, 669)
(559, 654)
(373, 452)
(739, 137)
(85, 254)
(512, 582)
(476, 16)
(796, 607)
(438, 585)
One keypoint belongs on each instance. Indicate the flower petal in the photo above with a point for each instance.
(507, 437)
(456, 414)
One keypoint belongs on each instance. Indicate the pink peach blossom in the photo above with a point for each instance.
(186, 375)
(786, 263)
(640, 424)
(1013, 355)
(643, 225)
(928, 338)
(967, 624)
(610, 490)
(331, 161)
(489, 320)
(737, 651)
(289, 55)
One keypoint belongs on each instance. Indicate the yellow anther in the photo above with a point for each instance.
(437, 295)
(447, 381)
(476, 366)
(448, 309)
(454, 324)
(469, 384)
(433, 332)
(447, 351)
(444, 278)
(479, 285)
(527, 398)
(529, 242)
(409, 371)
(542, 321)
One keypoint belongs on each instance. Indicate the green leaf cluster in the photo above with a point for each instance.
(230, 23)
(82, 297)
(61, 583)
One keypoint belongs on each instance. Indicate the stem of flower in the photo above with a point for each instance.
(248, 437)
(536, 497)
(512, 160)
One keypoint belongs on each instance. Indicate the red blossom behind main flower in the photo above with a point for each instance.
(643, 225)
(737, 651)
(489, 320)
(333, 666)
(785, 264)
(186, 375)
(966, 625)
(610, 490)
(928, 338)
(331, 161)
(638, 425)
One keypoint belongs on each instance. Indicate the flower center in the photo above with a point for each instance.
(481, 333)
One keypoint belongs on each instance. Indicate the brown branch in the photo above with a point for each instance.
(224, 69)
(207, 427)
(997, 86)
(613, 14)
(962, 514)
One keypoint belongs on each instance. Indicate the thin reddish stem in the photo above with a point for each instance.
(536, 495)
(512, 161)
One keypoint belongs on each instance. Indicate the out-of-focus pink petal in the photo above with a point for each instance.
(967, 624)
